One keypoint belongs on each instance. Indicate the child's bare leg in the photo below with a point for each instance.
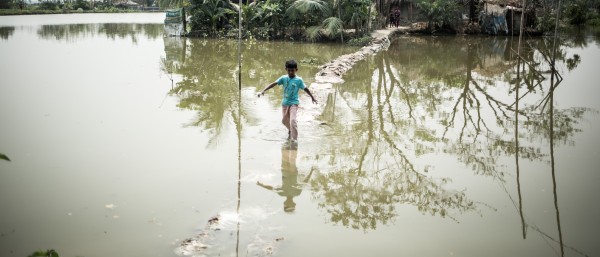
(293, 123)
(285, 111)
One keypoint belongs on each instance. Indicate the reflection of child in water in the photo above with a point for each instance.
(290, 187)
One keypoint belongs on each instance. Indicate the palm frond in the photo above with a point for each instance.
(313, 33)
(312, 6)
(333, 26)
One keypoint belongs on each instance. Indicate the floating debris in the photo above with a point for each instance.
(4, 157)
(248, 228)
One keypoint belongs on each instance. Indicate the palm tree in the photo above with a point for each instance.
(211, 12)
(326, 23)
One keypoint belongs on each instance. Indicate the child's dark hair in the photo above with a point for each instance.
(291, 64)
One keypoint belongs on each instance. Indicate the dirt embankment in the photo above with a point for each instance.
(333, 71)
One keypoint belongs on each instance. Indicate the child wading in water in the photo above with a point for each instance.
(291, 84)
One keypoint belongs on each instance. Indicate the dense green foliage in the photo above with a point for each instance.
(315, 20)
(23, 7)
(283, 19)
(580, 12)
(440, 14)
(360, 41)
(47, 253)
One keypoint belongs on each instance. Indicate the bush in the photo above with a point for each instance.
(81, 4)
(5, 4)
(594, 22)
(546, 21)
(47, 5)
(361, 41)
(440, 14)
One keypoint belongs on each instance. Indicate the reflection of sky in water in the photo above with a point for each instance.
(580, 90)
(95, 121)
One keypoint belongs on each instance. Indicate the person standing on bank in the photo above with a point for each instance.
(291, 84)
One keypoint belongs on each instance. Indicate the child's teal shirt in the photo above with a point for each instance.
(291, 86)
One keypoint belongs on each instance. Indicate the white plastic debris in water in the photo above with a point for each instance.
(110, 206)
(329, 79)
(321, 86)
(216, 238)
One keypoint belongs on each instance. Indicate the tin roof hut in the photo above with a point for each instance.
(503, 17)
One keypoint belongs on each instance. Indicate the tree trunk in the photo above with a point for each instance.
(471, 10)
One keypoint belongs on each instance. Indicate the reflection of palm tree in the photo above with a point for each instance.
(290, 187)
(206, 87)
(212, 90)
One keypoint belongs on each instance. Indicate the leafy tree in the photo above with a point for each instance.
(48, 5)
(211, 15)
(84, 5)
(265, 19)
(359, 11)
(577, 12)
(440, 14)
(5, 4)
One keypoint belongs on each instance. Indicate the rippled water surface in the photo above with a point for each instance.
(122, 142)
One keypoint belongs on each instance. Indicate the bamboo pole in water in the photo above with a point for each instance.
(240, 45)
(552, 87)
(517, 86)
(239, 126)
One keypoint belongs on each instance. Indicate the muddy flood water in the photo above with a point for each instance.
(119, 141)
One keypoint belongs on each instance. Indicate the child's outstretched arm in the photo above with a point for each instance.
(311, 96)
(265, 186)
(262, 92)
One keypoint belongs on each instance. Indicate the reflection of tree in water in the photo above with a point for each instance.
(208, 84)
(72, 32)
(208, 70)
(474, 110)
(373, 163)
(457, 100)
(6, 32)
